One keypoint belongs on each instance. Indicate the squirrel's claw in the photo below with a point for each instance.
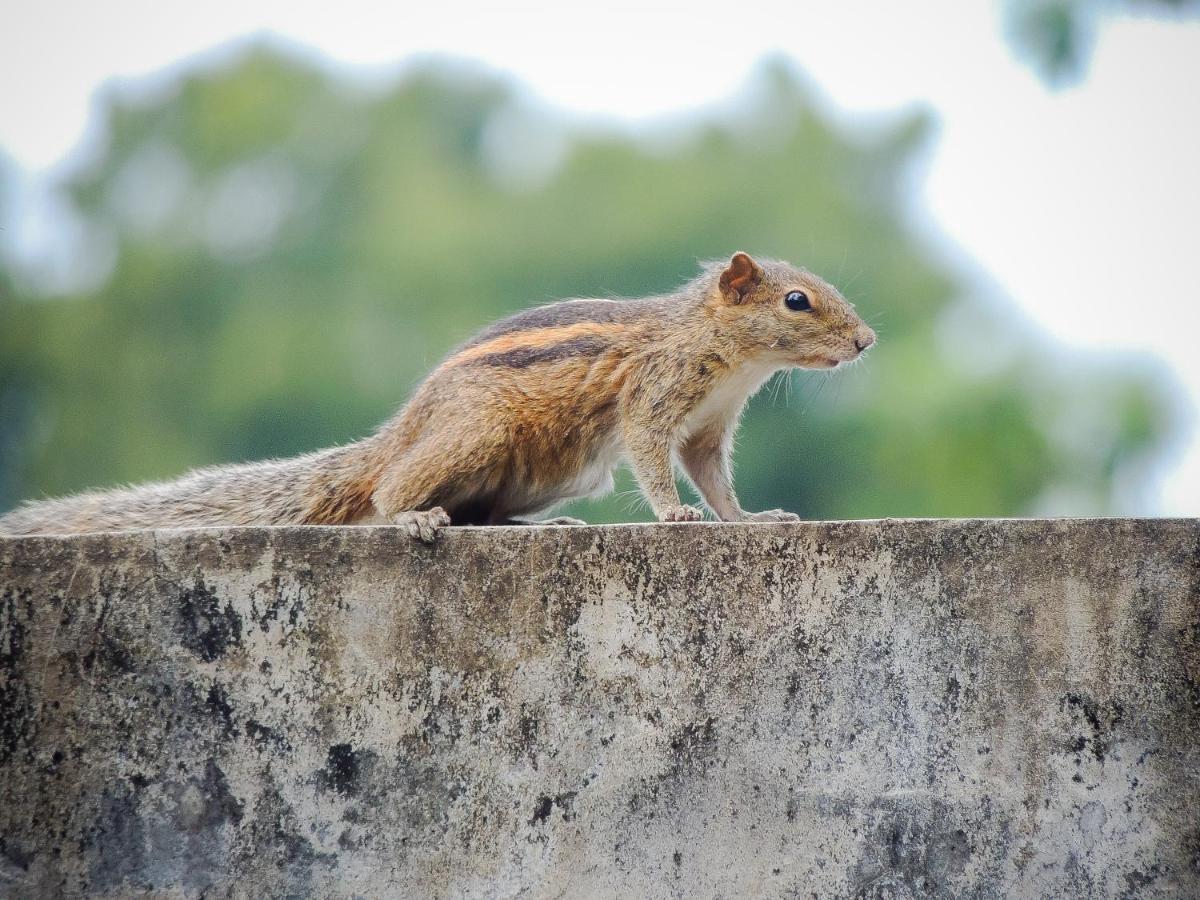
(681, 514)
(561, 520)
(422, 524)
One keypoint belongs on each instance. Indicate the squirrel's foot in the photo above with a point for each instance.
(681, 514)
(557, 520)
(422, 524)
(772, 515)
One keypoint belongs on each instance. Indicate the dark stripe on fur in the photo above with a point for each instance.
(523, 357)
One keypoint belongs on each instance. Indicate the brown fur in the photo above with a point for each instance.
(537, 409)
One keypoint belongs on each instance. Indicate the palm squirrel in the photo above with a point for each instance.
(537, 409)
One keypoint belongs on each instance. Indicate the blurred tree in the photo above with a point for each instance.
(289, 253)
(1057, 35)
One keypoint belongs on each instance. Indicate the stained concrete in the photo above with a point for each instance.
(881, 709)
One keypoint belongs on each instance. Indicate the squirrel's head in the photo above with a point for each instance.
(787, 314)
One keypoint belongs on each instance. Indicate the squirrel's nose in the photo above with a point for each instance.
(864, 340)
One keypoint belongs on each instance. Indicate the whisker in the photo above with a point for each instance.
(806, 396)
(632, 500)
(822, 383)
(776, 380)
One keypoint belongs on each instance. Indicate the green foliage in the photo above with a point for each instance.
(292, 254)
(1056, 36)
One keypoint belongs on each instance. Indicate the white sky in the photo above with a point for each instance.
(1082, 206)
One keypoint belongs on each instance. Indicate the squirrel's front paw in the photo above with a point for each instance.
(422, 524)
(772, 515)
(681, 514)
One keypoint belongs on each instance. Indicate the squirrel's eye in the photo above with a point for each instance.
(797, 301)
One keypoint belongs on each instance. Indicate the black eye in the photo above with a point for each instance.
(797, 301)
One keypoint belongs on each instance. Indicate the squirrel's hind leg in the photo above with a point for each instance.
(431, 482)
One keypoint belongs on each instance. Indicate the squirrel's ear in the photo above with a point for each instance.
(740, 277)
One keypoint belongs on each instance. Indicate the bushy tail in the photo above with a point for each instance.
(330, 487)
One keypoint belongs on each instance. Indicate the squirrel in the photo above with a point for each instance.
(537, 409)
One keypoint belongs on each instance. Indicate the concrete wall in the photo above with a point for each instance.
(980, 708)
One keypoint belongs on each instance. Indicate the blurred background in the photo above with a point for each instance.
(233, 231)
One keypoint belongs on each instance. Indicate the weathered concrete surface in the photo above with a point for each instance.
(879, 708)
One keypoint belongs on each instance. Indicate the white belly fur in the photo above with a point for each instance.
(726, 400)
(594, 480)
